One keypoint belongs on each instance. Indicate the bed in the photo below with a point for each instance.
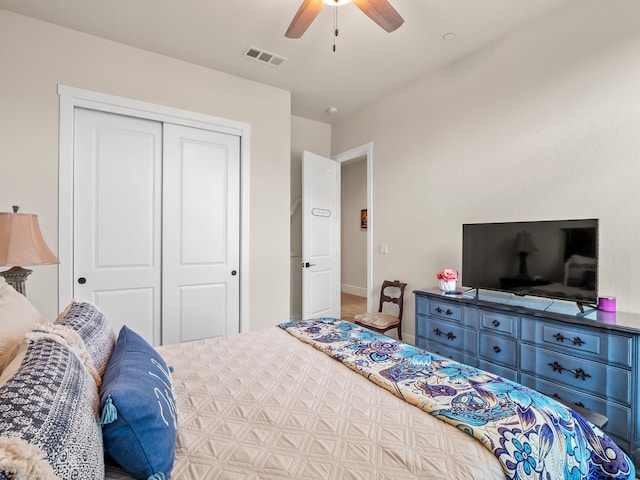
(578, 283)
(322, 398)
(273, 407)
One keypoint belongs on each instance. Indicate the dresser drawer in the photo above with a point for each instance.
(579, 340)
(446, 310)
(504, 372)
(452, 335)
(498, 349)
(451, 353)
(619, 417)
(499, 322)
(583, 375)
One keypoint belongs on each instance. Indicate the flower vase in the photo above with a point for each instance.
(448, 285)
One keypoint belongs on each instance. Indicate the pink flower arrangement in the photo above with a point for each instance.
(448, 274)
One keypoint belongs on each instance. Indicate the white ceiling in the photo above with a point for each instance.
(367, 63)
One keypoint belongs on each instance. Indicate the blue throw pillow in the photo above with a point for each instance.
(138, 409)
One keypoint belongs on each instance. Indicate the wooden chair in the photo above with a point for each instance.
(383, 320)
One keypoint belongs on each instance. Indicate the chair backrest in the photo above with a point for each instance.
(398, 299)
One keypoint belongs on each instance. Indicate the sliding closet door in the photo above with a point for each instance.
(201, 227)
(157, 226)
(117, 218)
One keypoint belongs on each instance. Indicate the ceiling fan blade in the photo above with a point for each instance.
(306, 14)
(381, 12)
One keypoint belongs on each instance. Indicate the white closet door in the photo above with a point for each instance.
(201, 243)
(117, 218)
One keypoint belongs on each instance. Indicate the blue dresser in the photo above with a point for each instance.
(587, 359)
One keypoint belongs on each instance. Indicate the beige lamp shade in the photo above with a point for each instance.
(21, 241)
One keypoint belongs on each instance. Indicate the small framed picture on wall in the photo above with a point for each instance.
(363, 218)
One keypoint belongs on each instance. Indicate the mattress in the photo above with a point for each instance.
(263, 405)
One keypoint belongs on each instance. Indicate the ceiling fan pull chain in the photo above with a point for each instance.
(335, 27)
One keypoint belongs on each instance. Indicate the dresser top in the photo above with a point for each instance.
(542, 307)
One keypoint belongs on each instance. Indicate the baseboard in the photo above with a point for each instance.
(353, 290)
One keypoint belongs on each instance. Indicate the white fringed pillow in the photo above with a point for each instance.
(92, 326)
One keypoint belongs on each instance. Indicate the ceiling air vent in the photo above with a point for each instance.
(263, 56)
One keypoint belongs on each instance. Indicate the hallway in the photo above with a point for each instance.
(351, 305)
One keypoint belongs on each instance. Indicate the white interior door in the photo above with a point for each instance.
(320, 237)
(117, 218)
(201, 234)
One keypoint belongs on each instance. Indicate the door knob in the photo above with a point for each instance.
(234, 273)
(307, 265)
(82, 280)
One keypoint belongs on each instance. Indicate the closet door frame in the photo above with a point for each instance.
(70, 99)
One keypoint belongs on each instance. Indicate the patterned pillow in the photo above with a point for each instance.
(138, 409)
(99, 338)
(49, 414)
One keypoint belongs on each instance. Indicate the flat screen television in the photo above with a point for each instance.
(555, 259)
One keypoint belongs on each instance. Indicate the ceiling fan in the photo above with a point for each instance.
(380, 11)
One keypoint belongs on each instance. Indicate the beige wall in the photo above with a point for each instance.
(36, 57)
(544, 124)
(353, 251)
(313, 137)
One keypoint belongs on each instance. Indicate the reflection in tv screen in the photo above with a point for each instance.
(555, 259)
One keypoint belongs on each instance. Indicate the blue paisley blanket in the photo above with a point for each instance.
(532, 435)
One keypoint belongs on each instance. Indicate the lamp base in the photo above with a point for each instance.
(522, 271)
(16, 276)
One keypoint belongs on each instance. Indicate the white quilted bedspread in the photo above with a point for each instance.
(264, 405)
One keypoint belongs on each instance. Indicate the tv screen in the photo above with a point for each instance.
(555, 259)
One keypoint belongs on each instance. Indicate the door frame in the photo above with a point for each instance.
(71, 98)
(351, 154)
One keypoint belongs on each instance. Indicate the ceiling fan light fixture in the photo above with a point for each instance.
(336, 3)
(380, 11)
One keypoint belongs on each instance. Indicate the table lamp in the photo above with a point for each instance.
(21, 243)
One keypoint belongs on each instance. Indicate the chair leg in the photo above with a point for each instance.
(399, 333)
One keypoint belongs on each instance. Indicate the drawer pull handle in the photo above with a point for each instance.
(451, 336)
(559, 337)
(577, 404)
(438, 332)
(495, 323)
(556, 367)
(450, 358)
(438, 310)
(448, 312)
(497, 349)
(578, 372)
(578, 341)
